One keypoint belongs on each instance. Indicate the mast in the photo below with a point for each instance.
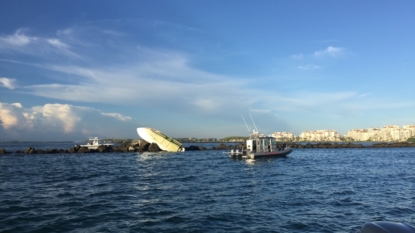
(249, 131)
(253, 122)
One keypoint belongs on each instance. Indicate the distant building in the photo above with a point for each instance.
(411, 128)
(320, 135)
(283, 136)
(372, 134)
(386, 133)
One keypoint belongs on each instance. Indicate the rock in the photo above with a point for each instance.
(102, 148)
(222, 147)
(138, 149)
(192, 148)
(117, 149)
(308, 145)
(2, 151)
(135, 142)
(73, 149)
(51, 151)
(154, 147)
(110, 148)
(26, 151)
(83, 150)
(32, 151)
(40, 151)
(144, 145)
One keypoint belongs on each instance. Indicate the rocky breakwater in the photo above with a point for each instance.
(2, 151)
(134, 146)
(320, 145)
(219, 147)
(143, 146)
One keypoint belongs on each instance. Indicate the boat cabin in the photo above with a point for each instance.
(93, 141)
(262, 144)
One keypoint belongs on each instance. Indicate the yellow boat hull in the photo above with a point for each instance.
(163, 141)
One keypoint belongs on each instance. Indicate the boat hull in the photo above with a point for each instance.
(259, 155)
(273, 154)
(165, 142)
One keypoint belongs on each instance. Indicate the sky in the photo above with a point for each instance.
(70, 70)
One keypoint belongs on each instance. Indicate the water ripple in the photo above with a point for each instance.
(324, 190)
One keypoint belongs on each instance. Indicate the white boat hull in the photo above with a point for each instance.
(165, 142)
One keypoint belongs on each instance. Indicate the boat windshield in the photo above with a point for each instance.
(266, 144)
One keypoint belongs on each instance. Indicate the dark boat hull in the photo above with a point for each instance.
(273, 154)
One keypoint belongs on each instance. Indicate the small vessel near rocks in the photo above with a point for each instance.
(94, 143)
(261, 146)
(164, 142)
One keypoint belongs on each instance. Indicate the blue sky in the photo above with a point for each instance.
(74, 69)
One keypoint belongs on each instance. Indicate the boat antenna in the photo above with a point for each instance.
(249, 131)
(253, 122)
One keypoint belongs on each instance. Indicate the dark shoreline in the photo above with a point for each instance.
(147, 147)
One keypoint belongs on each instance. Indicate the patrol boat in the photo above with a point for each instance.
(261, 146)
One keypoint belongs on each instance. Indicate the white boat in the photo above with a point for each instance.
(260, 146)
(165, 142)
(94, 143)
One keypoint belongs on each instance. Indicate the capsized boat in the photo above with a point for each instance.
(261, 146)
(94, 143)
(163, 141)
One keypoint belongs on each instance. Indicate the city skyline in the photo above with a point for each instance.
(72, 70)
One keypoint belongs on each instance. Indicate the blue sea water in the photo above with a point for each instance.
(312, 190)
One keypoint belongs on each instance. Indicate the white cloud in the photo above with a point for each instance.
(38, 47)
(118, 116)
(154, 78)
(297, 56)
(7, 83)
(58, 115)
(43, 122)
(364, 94)
(17, 39)
(329, 51)
(309, 67)
(57, 43)
(8, 116)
